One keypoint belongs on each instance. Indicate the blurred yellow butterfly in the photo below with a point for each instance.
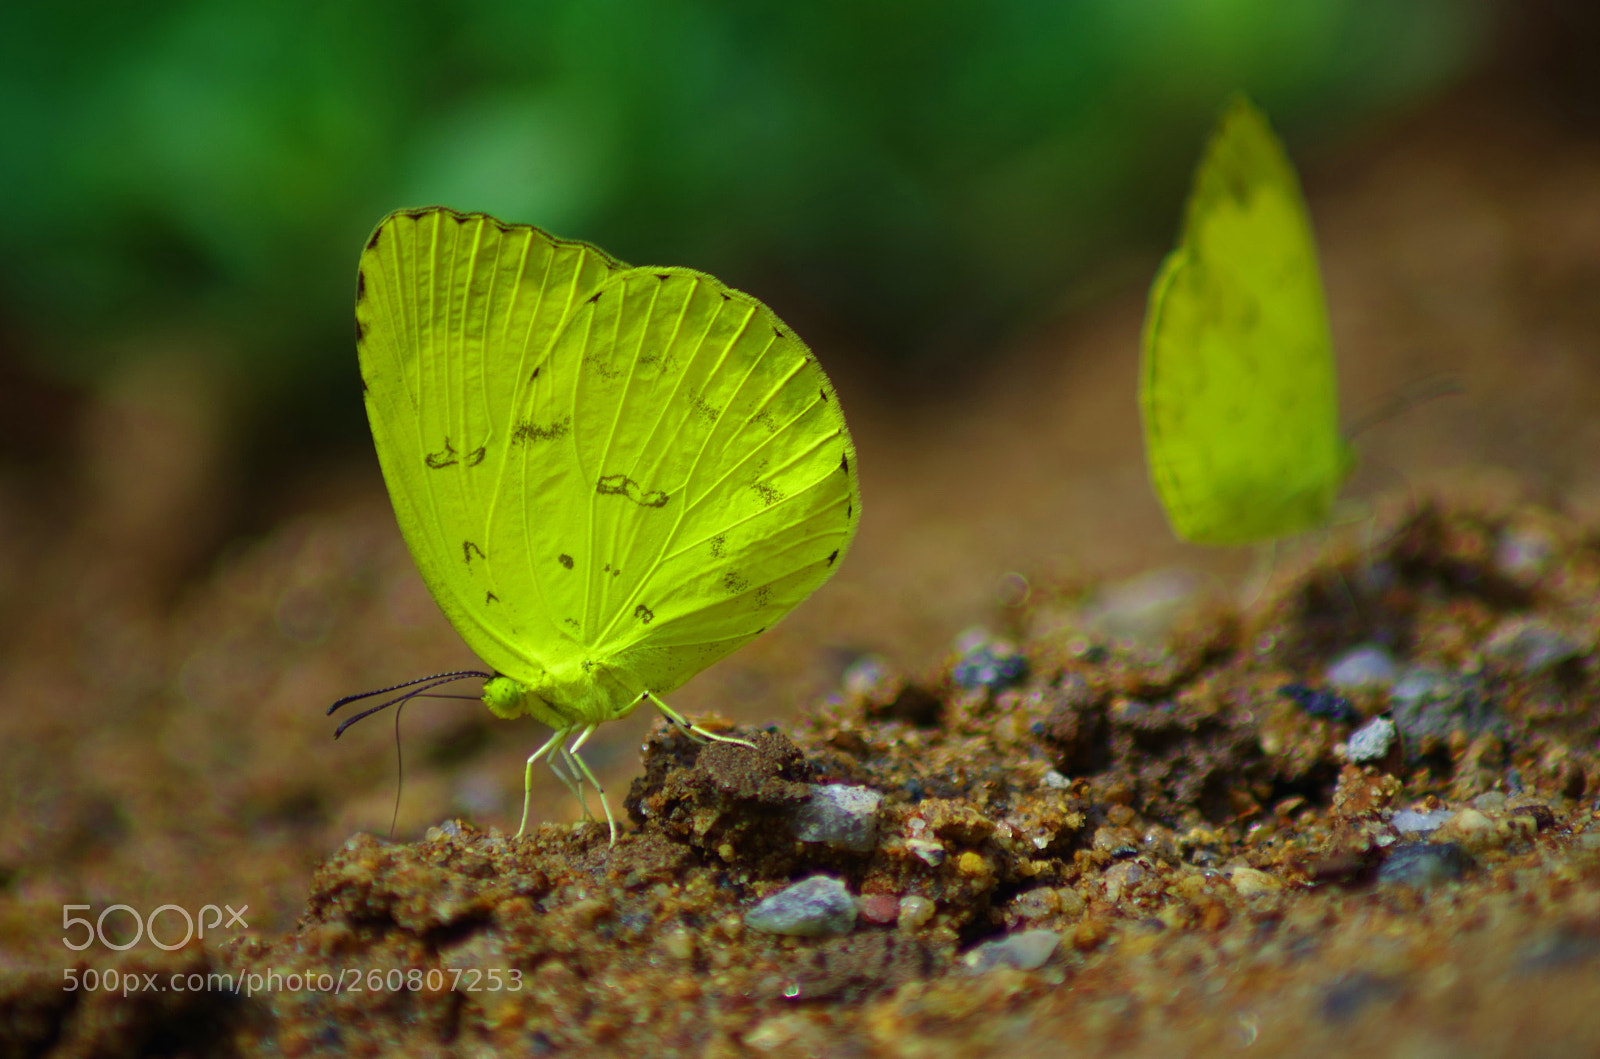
(1237, 388)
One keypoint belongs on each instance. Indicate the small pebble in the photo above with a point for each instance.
(1541, 815)
(1036, 903)
(817, 907)
(1372, 741)
(1523, 555)
(1411, 822)
(868, 675)
(991, 667)
(838, 815)
(915, 910)
(879, 908)
(1320, 703)
(1429, 704)
(1531, 645)
(1422, 865)
(1025, 951)
(1420, 683)
(1249, 881)
(1471, 830)
(1367, 666)
(680, 944)
(1120, 878)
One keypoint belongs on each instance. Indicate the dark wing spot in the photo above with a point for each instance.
(443, 458)
(531, 431)
(704, 409)
(663, 275)
(588, 665)
(763, 595)
(359, 333)
(490, 597)
(769, 494)
(719, 547)
(844, 463)
(535, 375)
(501, 226)
(622, 485)
(734, 583)
(565, 560)
(459, 218)
(467, 548)
(833, 556)
(372, 244)
(824, 394)
(475, 457)
(778, 331)
(361, 284)
(593, 298)
(726, 297)
(572, 622)
(642, 612)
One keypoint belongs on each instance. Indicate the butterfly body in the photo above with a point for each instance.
(609, 477)
(1238, 392)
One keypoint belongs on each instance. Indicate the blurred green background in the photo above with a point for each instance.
(923, 179)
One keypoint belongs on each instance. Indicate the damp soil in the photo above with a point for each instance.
(1210, 868)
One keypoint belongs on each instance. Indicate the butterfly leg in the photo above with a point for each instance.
(572, 777)
(694, 731)
(527, 777)
(571, 754)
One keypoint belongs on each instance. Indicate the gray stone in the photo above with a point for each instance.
(1367, 666)
(1422, 865)
(1524, 555)
(1372, 741)
(1411, 822)
(1026, 951)
(818, 907)
(1430, 704)
(990, 667)
(840, 816)
(1531, 645)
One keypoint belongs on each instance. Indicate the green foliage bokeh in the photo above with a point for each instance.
(924, 171)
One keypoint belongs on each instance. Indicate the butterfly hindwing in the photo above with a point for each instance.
(706, 485)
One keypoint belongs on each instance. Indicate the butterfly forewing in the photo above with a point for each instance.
(456, 317)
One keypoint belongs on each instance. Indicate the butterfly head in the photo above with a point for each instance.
(508, 698)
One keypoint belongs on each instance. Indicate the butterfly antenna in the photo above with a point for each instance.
(436, 681)
(399, 769)
(443, 678)
(1409, 397)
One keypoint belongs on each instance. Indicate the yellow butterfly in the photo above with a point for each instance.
(609, 477)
